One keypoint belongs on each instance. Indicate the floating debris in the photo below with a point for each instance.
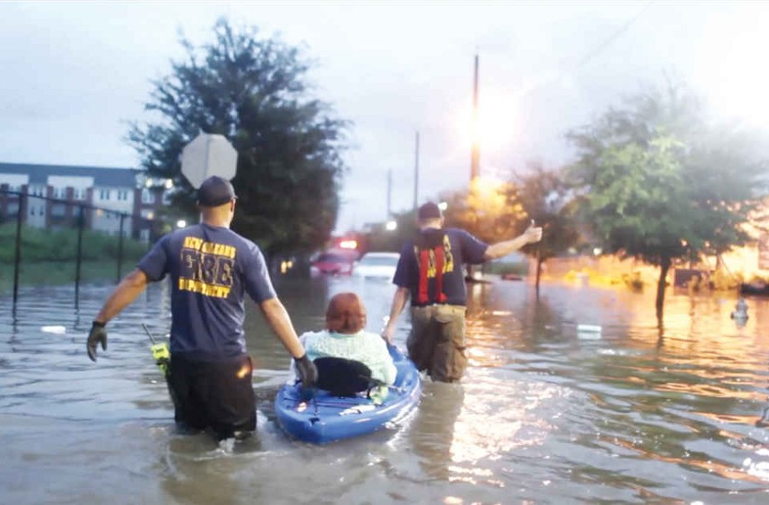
(59, 330)
(588, 331)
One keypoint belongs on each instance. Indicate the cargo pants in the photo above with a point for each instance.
(437, 341)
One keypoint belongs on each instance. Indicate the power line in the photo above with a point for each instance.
(603, 45)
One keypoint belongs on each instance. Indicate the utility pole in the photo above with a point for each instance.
(475, 155)
(475, 158)
(416, 172)
(389, 192)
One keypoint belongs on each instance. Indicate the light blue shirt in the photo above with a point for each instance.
(368, 348)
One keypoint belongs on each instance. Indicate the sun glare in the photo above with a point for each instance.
(495, 126)
(732, 75)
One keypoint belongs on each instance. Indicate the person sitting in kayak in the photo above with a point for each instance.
(358, 357)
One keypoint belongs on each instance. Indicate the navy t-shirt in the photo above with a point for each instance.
(459, 248)
(211, 268)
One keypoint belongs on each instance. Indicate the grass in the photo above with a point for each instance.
(48, 256)
(42, 244)
(58, 273)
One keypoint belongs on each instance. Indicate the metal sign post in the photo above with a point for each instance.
(23, 202)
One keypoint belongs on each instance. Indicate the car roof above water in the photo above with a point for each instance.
(382, 255)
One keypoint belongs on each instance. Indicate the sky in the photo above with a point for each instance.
(74, 74)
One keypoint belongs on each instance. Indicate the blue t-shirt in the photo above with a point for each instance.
(211, 268)
(459, 247)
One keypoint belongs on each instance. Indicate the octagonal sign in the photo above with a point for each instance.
(208, 154)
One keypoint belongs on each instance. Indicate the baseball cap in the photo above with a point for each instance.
(215, 191)
(429, 210)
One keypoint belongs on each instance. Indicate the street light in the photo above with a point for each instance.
(391, 225)
(181, 223)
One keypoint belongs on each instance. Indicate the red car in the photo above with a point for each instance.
(334, 263)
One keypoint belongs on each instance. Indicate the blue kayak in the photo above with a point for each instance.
(326, 417)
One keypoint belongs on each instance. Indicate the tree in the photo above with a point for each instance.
(379, 238)
(254, 92)
(659, 183)
(488, 209)
(546, 198)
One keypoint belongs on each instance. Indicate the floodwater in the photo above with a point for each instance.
(546, 413)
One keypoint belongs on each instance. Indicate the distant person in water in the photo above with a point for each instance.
(740, 313)
(430, 272)
(211, 269)
(345, 337)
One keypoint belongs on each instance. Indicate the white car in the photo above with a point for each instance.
(377, 264)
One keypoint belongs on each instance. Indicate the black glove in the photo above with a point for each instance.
(308, 374)
(98, 334)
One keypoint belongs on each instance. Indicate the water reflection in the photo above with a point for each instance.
(432, 433)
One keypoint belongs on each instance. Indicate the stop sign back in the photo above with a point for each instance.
(208, 154)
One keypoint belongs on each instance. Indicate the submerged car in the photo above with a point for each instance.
(333, 263)
(377, 265)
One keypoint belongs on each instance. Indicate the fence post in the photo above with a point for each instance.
(120, 249)
(80, 220)
(17, 252)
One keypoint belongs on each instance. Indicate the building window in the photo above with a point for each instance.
(59, 193)
(122, 194)
(148, 196)
(78, 194)
(104, 194)
(58, 209)
(166, 198)
(12, 209)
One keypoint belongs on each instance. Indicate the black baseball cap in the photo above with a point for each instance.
(429, 210)
(215, 191)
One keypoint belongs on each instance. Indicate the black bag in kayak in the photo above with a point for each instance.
(342, 377)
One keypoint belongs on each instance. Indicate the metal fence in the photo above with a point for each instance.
(49, 241)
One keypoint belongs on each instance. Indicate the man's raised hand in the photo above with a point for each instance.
(533, 233)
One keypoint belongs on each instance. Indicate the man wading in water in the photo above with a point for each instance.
(430, 271)
(211, 268)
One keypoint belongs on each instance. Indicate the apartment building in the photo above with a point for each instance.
(55, 194)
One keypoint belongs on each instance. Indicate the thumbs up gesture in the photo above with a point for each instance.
(533, 233)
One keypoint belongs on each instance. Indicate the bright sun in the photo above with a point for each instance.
(496, 123)
(732, 72)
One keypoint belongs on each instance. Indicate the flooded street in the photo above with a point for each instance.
(547, 413)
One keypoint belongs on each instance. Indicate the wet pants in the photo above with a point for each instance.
(437, 341)
(213, 394)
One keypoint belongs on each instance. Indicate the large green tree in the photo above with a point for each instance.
(661, 183)
(254, 91)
